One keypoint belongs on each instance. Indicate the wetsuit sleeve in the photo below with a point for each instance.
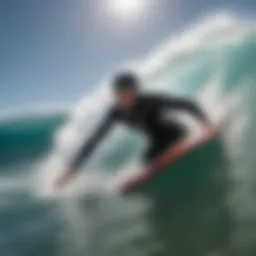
(88, 147)
(187, 105)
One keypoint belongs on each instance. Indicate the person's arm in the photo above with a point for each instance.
(174, 152)
(208, 131)
(87, 149)
(188, 106)
(171, 154)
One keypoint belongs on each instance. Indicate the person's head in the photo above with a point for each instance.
(126, 88)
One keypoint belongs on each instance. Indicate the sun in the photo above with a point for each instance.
(127, 9)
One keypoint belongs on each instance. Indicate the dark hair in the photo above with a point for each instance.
(126, 80)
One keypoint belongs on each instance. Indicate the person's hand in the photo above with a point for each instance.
(64, 179)
(209, 132)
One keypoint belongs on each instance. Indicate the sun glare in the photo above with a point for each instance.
(127, 8)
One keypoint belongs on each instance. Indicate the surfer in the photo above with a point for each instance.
(149, 113)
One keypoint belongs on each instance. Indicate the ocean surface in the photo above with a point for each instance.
(213, 61)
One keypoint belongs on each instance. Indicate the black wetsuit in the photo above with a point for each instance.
(149, 116)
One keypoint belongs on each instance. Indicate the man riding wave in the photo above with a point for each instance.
(147, 113)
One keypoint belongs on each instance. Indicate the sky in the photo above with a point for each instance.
(53, 52)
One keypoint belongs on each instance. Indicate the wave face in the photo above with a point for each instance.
(214, 62)
(26, 138)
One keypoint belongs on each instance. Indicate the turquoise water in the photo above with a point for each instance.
(218, 218)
